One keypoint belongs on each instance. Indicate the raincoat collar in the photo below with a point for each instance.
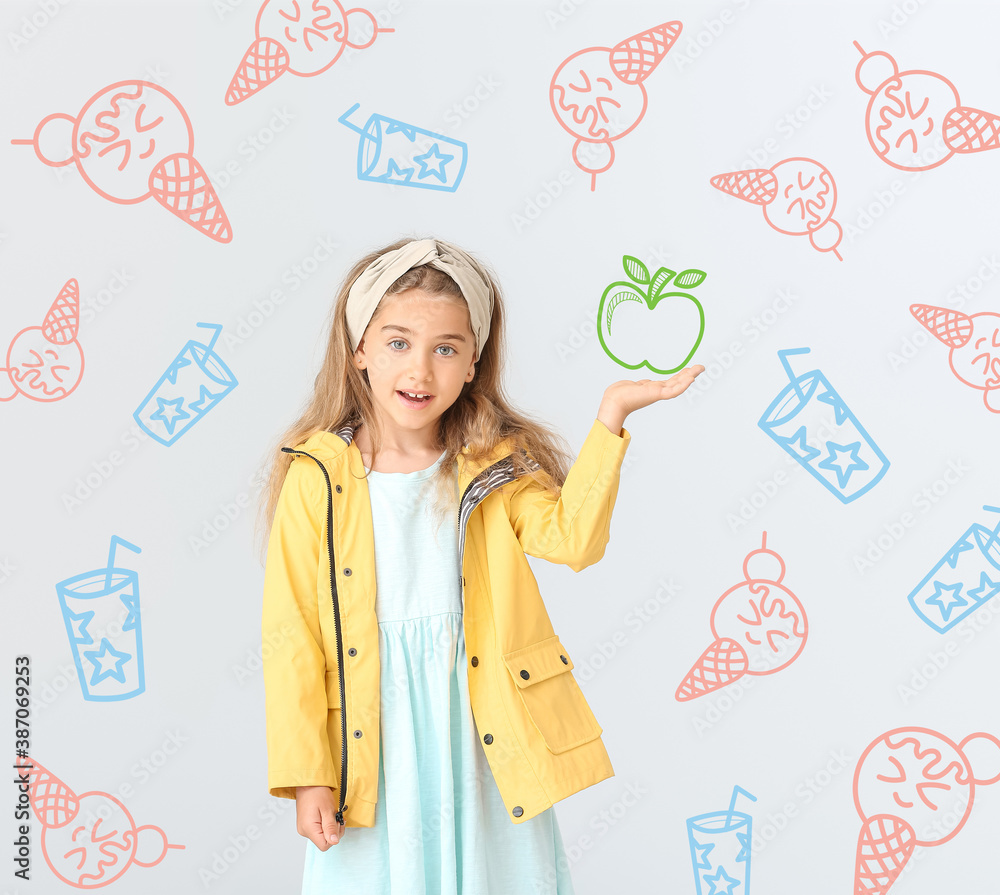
(328, 446)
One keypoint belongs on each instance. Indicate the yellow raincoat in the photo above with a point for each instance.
(542, 740)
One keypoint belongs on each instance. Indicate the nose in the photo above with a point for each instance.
(419, 368)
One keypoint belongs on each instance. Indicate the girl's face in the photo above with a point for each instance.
(419, 343)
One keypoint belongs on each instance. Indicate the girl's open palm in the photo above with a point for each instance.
(315, 807)
(631, 395)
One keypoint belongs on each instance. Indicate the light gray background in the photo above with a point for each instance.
(691, 462)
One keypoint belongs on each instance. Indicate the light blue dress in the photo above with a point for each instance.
(441, 827)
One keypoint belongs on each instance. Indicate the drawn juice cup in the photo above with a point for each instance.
(391, 151)
(101, 612)
(196, 380)
(965, 578)
(720, 849)
(812, 423)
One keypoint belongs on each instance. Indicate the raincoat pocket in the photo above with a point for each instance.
(552, 697)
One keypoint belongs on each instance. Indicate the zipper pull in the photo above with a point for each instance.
(339, 816)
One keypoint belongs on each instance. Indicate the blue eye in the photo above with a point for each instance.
(403, 341)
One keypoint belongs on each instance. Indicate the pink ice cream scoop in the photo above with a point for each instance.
(597, 94)
(974, 341)
(298, 37)
(88, 840)
(45, 363)
(759, 625)
(133, 140)
(914, 786)
(915, 120)
(797, 195)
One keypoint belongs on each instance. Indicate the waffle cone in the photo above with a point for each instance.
(885, 844)
(63, 319)
(181, 186)
(262, 63)
(971, 130)
(722, 663)
(758, 186)
(634, 58)
(54, 803)
(953, 328)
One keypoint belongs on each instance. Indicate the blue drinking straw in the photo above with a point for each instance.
(736, 791)
(217, 327)
(783, 357)
(115, 541)
(343, 119)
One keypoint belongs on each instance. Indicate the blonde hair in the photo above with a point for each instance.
(480, 417)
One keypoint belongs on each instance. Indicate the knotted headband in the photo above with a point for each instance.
(377, 277)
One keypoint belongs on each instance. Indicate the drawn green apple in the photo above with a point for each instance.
(638, 319)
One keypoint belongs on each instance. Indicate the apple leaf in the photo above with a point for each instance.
(690, 278)
(660, 280)
(637, 271)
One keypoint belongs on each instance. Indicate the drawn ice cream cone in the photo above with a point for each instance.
(884, 846)
(53, 801)
(973, 340)
(634, 58)
(264, 61)
(88, 840)
(302, 39)
(181, 186)
(132, 140)
(63, 319)
(797, 195)
(45, 363)
(758, 186)
(722, 663)
(971, 130)
(598, 95)
(953, 328)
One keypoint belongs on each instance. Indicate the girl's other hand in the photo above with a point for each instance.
(315, 808)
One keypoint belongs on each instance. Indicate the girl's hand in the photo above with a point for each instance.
(624, 396)
(315, 808)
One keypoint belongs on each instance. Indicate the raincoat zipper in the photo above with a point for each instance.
(340, 644)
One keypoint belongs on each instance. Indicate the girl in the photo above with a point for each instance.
(436, 713)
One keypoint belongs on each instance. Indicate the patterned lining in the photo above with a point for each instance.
(491, 478)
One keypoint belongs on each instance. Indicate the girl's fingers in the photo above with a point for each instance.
(332, 831)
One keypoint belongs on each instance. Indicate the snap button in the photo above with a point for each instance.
(347, 571)
(488, 738)
(358, 734)
(518, 811)
(352, 651)
(475, 661)
(339, 489)
(525, 674)
(565, 660)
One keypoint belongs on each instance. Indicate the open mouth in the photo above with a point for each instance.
(414, 402)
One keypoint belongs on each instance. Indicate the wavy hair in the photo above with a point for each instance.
(480, 417)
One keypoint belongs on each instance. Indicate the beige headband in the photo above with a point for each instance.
(377, 277)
